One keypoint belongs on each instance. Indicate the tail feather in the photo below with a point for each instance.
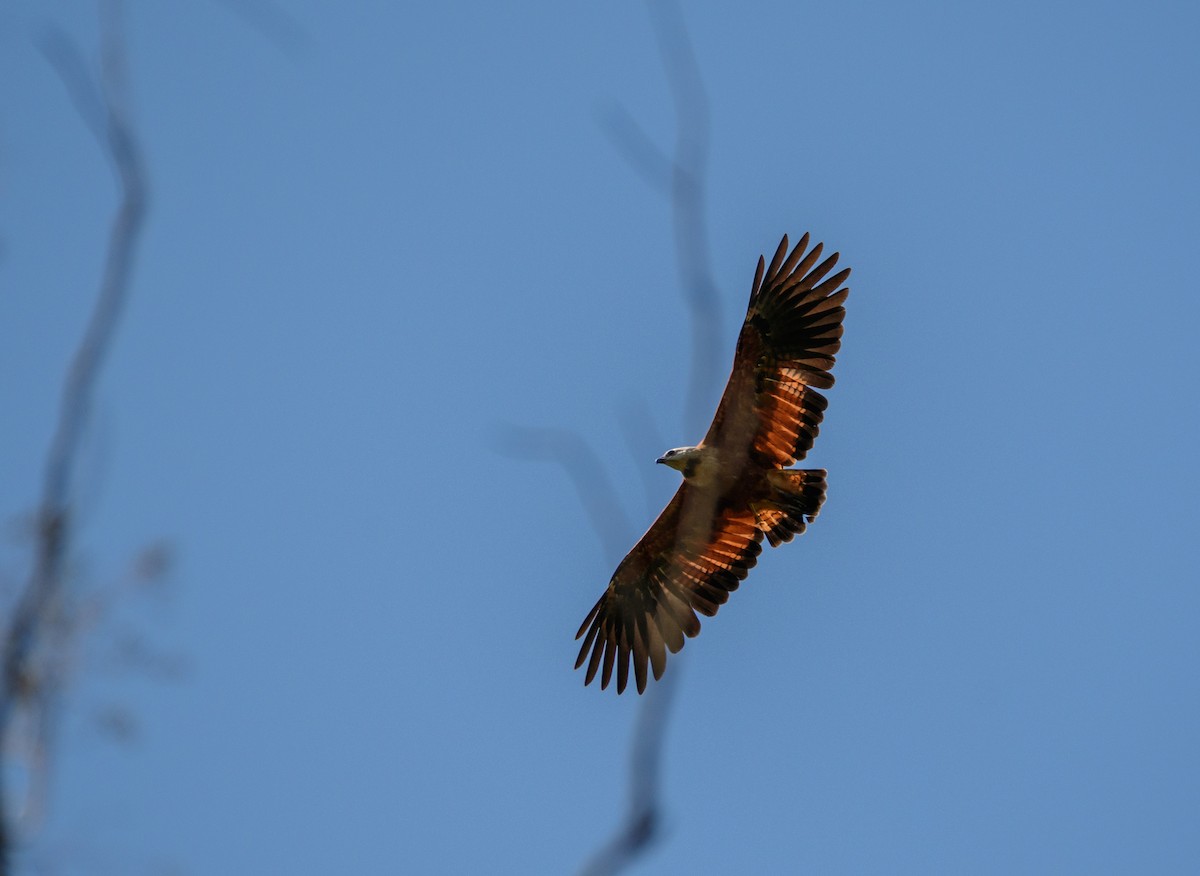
(795, 501)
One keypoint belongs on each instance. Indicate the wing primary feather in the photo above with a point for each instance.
(623, 658)
(594, 663)
(683, 615)
(587, 644)
(703, 605)
(801, 279)
(798, 273)
(641, 653)
(591, 615)
(825, 318)
(831, 284)
(758, 275)
(797, 253)
(656, 646)
(815, 275)
(610, 654)
(670, 632)
(821, 305)
(773, 271)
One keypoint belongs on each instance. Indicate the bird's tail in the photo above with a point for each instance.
(795, 500)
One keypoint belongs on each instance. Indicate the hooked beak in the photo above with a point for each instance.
(662, 460)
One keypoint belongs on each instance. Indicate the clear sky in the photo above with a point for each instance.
(380, 233)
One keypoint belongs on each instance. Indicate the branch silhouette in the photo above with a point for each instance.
(29, 682)
(680, 176)
(577, 458)
(643, 820)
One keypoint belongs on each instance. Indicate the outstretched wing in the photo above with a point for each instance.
(700, 548)
(771, 409)
(689, 561)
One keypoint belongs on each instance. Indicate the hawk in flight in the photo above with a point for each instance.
(736, 485)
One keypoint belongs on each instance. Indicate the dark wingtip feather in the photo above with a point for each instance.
(797, 253)
(594, 663)
(610, 654)
(831, 284)
(758, 276)
(777, 260)
(587, 645)
(640, 655)
(591, 615)
(623, 663)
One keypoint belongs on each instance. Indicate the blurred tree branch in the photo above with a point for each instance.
(35, 635)
(644, 817)
(274, 22)
(577, 458)
(681, 177)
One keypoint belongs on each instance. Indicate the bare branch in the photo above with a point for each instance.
(27, 681)
(689, 202)
(643, 821)
(639, 431)
(682, 178)
(274, 22)
(117, 138)
(630, 139)
(64, 56)
(688, 170)
(587, 473)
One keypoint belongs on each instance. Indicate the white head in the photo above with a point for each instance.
(679, 457)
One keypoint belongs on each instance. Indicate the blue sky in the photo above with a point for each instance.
(380, 233)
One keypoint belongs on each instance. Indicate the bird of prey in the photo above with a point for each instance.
(736, 485)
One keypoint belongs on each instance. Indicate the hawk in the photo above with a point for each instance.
(736, 485)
